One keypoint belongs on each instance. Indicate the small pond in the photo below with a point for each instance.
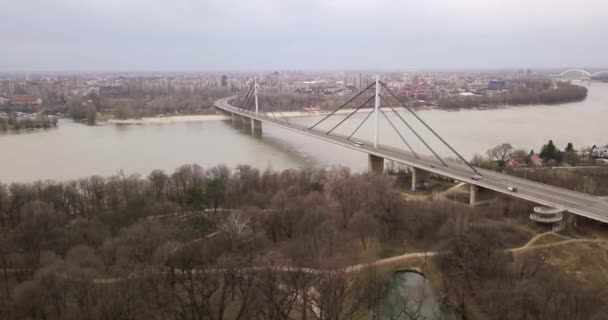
(411, 296)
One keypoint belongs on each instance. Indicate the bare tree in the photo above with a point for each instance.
(236, 229)
(501, 153)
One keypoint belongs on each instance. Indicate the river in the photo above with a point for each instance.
(74, 150)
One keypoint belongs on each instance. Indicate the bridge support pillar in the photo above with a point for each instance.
(256, 127)
(480, 196)
(418, 178)
(375, 164)
(473, 197)
(246, 125)
(237, 122)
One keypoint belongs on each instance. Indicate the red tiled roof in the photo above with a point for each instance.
(23, 100)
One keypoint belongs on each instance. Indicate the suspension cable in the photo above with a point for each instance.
(431, 129)
(342, 106)
(275, 117)
(245, 98)
(242, 104)
(414, 131)
(354, 111)
(399, 133)
(360, 124)
(282, 115)
(248, 105)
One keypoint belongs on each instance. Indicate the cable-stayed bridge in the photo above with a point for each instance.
(379, 101)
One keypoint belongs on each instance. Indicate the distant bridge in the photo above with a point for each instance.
(582, 72)
(247, 115)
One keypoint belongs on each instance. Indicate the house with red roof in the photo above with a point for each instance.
(24, 100)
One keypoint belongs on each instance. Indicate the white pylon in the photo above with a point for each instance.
(377, 110)
(255, 88)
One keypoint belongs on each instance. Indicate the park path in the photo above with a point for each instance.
(528, 246)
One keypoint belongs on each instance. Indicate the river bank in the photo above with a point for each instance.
(79, 150)
(218, 117)
(170, 119)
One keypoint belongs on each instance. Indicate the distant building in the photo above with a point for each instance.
(467, 94)
(23, 100)
(437, 94)
(313, 109)
(516, 161)
(416, 80)
(497, 85)
(599, 152)
(548, 216)
(113, 91)
(536, 160)
(601, 162)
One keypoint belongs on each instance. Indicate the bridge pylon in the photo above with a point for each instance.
(255, 88)
(381, 101)
(376, 113)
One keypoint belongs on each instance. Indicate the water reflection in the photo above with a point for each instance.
(411, 296)
(409, 293)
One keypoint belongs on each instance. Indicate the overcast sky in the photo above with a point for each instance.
(182, 35)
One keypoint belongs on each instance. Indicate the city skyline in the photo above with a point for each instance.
(158, 36)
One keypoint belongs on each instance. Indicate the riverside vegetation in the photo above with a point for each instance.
(250, 244)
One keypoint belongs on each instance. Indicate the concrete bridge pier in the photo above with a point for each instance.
(233, 118)
(256, 127)
(375, 164)
(418, 178)
(237, 122)
(246, 124)
(480, 196)
(473, 197)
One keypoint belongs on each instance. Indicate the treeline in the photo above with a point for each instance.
(297, 102)
(529, 94)
(586, 180)
(483, 281)
(100, 248)
(12, 122)
(536, 91)
(504, 155)
(147, 103)
(222, 243)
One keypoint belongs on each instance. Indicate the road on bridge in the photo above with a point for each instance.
(575, 202)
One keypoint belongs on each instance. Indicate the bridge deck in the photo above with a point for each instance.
(578, 203)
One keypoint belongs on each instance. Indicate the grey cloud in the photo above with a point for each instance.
(296, 34)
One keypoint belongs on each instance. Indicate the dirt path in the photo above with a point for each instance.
(555, 244)
(354, 268)
(526, 247)
(534, 239)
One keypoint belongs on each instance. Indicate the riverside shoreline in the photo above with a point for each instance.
(218, 117)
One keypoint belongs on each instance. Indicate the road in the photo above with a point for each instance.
(585, 205)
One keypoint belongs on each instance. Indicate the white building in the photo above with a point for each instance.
(599, 152)
(549, 216)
